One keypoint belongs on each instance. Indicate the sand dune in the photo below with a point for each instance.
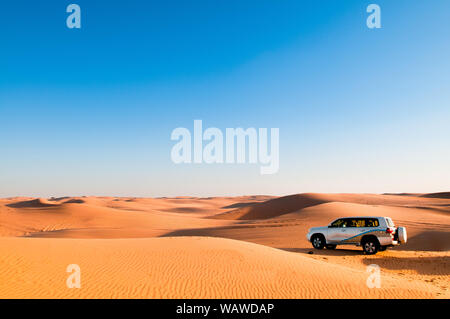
(287, 204)
(445, 195)
(184, 267)
(218, 247)
(273, 207)
(94, 220)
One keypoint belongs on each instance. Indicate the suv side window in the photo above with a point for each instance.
(372, 222)
(339, 223)
(356, 222)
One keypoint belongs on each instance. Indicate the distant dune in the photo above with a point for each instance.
(33, 203)
(217, 247)
(445, 195)
(288, 204)
(273, 207)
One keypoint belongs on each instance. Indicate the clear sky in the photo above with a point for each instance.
(91, 111)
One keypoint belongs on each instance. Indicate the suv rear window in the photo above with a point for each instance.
(372, 222)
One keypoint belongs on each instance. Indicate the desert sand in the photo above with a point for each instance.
(218, 247)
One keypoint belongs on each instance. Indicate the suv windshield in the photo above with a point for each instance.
(339, 223)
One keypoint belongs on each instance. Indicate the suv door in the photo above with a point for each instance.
(355, 228)
(337, 231)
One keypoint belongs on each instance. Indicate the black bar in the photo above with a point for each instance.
(262, 308)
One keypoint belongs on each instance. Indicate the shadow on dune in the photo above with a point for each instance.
(75, 201)
(202, 232)
(57, 199)
(428, 241)
(439, 265)
(34, 203)
(403, 194)
(325, 252)
(185, 210)
(443, 195)
(436, 208)
(239, 205)
(273, 207)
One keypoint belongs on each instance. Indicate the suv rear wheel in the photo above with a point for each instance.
(370, 246)
(318, 241)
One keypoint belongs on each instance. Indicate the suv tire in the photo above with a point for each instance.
(370, 246)
(318, 241)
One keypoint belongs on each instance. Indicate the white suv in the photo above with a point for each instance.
(372, 233)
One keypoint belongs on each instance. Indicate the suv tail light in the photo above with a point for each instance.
(389, 231)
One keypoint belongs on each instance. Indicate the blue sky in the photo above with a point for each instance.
(90, 111)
